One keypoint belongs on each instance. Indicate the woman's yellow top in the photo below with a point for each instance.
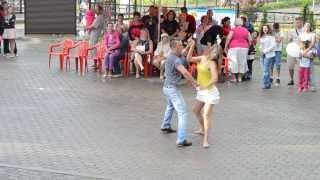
(203, 75)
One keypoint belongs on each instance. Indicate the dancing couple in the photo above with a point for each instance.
(207, 93)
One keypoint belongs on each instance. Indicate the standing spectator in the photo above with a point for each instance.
(112, 40)
(308, 35)
(190, 19)
(237, 44)
(84, 6)
(202, 28)
(211, 20)
(90, 16)
(184, 25)
(141, 47)
(247, 24)
(226, 28)
(151, 23)
(251, 55)
(135, 26)
(267, 48)
(96, 27)
(161, 53)
(294, 37)
(9, 34)
(122, 29)
(305, 64)
(277, 60)
(170, 25)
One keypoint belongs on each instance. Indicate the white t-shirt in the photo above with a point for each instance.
(279, 45)
(306, 61)
(268, 45)
(295, 34)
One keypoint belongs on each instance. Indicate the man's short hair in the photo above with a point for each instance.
(136, 14)
(299, 18)
(184, 9)
(120, 15)
(174, 41)
(100, 7)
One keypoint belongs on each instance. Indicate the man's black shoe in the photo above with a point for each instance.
(184, 143)
(291, 83)
(168, 130)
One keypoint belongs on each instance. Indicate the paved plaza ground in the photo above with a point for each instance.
(59, 125)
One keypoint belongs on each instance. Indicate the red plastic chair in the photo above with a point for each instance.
(61, 50)
(80, 54)
(148, 67)
(100, 55)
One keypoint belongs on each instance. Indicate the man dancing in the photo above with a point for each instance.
(174, 68)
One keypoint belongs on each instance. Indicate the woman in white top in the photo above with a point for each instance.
(161, 53)
(267, 49)
(308, 35)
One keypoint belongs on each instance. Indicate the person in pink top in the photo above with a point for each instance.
(236, 47)
(112, 40)
(90, 16)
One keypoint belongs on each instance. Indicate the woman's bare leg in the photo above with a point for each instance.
(207, 114)
(197, 107)
(162, 69)
(12, 46)
(138, 64)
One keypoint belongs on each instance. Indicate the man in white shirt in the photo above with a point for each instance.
(294, 37)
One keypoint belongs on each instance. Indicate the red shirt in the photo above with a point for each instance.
(226, 29)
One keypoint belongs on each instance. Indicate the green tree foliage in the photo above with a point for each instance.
(307, 14)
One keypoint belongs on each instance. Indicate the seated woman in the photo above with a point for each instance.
(161, 53)
(141, 47)
(112, 40)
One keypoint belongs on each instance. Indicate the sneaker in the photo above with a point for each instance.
(117, 75)
(184, 143)
(277, 82)
(168, 130)
(291, 83)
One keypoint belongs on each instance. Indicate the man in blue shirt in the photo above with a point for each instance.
(174, 70)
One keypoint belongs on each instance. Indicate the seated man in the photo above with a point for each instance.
(161, 53)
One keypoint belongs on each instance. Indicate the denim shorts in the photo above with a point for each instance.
(277, 60)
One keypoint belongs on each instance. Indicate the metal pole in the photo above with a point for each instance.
(313, 5)
(238, 9)
(185, 3)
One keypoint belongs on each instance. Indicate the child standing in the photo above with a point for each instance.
(305, 64)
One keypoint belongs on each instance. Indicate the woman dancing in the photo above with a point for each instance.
(207, 92)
